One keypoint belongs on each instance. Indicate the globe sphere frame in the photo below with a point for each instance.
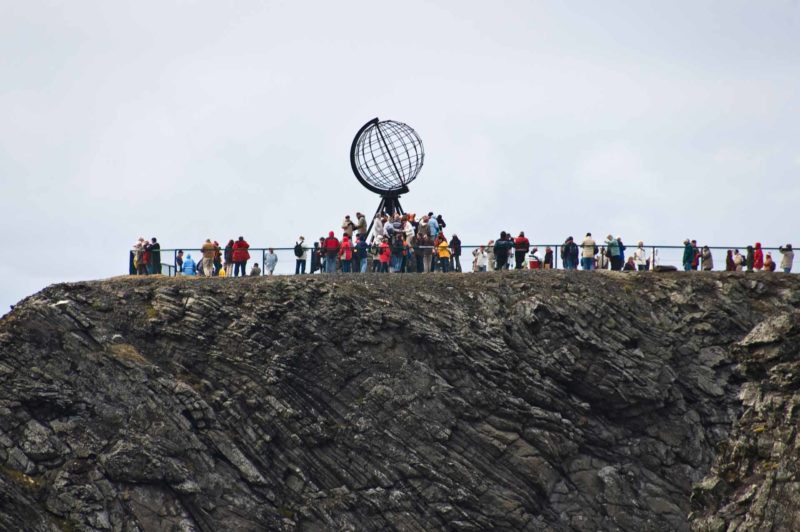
(385, 157)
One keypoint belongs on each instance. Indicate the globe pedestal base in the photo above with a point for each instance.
(389, 205)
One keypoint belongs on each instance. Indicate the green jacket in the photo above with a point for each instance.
(688, 253)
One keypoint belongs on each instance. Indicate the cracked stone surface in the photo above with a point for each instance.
(522, 400)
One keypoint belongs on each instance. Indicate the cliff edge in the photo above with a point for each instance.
(534, 400)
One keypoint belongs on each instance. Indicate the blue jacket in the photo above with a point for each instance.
(361, 249)
(434, 227)
(189, 267)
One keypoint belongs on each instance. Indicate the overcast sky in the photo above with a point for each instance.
(186, 120)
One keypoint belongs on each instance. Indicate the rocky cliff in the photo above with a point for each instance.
(535, 401)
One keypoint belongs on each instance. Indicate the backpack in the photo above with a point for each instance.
(298, 250)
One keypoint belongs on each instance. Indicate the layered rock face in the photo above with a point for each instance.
(533, 400)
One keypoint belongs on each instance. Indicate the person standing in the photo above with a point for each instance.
(569, 254)
(769, 264)
(179, 262)
(444, 254)
(640, 257)
(300, 253)
(750, 258)
(433, 226)
(361, 227)
(739, 261)
(455, 247)
(270, 261)
(481, 259)
(696, 257)
(501, 247)
(155, 256)
(758, 258)
(315, 258)
(331, 248)
(346, 254)
(348, 226)
(521, 247)
(729, 264)
(240, 257)
(548, 258)
(208, 257)
(688, 255)
(361, 252)
(217, 258)
(588, 251)
(228, 255)
(384, 255)
(787, 258)
(707, 259)
(613, 253)
(188, 266)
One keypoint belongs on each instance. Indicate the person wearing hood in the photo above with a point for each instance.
(331, 252)
(189, 266)
(729, 264)
(346, 254)
(758, 258)
(270, 261)
(688, 255)
(787, 258)
(433, 225)
(707, 259)
(769, 264)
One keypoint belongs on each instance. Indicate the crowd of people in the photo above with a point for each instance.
(404, 243)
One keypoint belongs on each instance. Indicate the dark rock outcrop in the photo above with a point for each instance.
(536, 400)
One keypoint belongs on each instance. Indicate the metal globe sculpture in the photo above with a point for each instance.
(385, 157)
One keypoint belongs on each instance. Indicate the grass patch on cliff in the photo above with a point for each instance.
(18, 477)
(129, 353)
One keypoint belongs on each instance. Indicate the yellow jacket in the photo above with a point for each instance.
(444, 250)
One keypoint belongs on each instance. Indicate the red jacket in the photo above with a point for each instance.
(331, 245)
(758, 257)
(521, 243)
(385, 252)
(240, 253)
(346, 249)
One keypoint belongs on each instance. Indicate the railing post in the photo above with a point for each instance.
(263, 261)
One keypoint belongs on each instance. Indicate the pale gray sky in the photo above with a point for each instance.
(183, 120)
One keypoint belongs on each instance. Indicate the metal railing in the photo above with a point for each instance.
(657, 255)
